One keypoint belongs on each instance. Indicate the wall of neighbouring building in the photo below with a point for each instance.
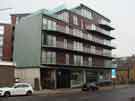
(28, 75)
(7, 75)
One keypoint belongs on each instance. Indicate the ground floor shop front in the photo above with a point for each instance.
(52, 78)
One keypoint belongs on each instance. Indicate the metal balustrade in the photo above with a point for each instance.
(85, 36)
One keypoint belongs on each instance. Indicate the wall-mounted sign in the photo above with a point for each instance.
(113, 73)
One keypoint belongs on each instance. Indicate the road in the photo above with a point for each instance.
(122, 94)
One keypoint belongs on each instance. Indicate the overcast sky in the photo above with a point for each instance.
(121, 12)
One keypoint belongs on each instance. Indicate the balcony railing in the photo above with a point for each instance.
(106, 25)
(85, 50)
(98, 29)
(104, 22)
(85, 36)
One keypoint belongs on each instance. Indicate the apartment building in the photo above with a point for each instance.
(63, 50)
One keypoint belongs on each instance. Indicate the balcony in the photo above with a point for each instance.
(105, 25)
(97, 30)
(68, 32)
(90, 51)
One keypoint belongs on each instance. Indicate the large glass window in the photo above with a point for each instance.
(93, 49)
(78, 46)
(75, 20)
(64, 16)
(86, 13)
(67, 29)
(49, 24)
(89, 36)
(87, 48)
(107, 52)
(76, 78)
(78, 60)
(90, 61)
(82, 24)
(50, 40)
(107, 42)
(65, 43)
(67, 58)
(108, 63)
(77, 32)
(48, 57)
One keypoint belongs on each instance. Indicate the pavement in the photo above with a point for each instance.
(54, 92)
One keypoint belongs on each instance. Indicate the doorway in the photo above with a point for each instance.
(63, 78)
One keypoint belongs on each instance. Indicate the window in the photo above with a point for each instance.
(78, 60)
(107, 52)
(21, 86)
(65, 43)
(85, 61)
(78, 46)
(67, 29)
(89, 36)
(64, 16)
(75, 20)
(107, 42)
(76, 78)
(86, 13)
(93, 49)
(67, 58)
(48, 57)
(17, 19)
(49, 24)
(51, 40)
(77, 32)
(90, 61)
(82, 24)
(93, 27)
(108, 63)
(44, 21)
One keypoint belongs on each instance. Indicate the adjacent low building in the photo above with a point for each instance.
(125, 69)
(7, 77)
(63, 50)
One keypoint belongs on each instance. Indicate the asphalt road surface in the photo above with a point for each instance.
(121, 94)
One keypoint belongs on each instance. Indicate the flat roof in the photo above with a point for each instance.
(82, 5)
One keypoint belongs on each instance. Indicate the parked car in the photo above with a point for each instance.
(90, 86)
(93, 86)
(17, 89)
(102, 83)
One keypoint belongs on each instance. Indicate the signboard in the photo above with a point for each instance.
(113, 73)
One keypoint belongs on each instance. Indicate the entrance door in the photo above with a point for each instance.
(63, 78)
(91, 76)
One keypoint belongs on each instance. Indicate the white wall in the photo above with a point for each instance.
(28, 75)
